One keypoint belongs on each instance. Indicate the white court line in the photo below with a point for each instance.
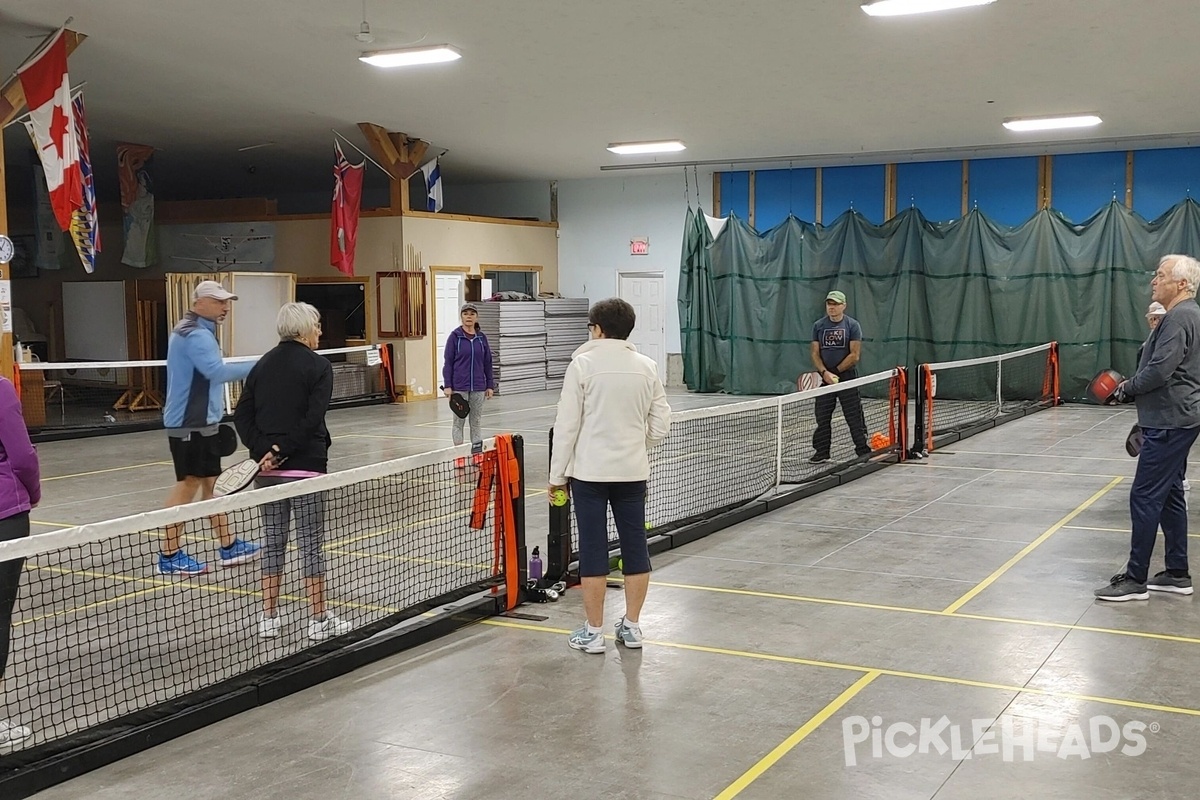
(448, 425)
(1058, 511)
(890, 530)
(1125, 531)
(436, 423)
(1126, 459)
(830, 569)
(910, 513)
(408, 438)
(1086, 431)
(1014, 471)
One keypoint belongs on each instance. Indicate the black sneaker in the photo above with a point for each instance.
(1122, 588)
(863, 451)
(1166, 582)
(818, 459)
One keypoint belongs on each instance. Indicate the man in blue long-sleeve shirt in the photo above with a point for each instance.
(1166, 388)
(192, 413)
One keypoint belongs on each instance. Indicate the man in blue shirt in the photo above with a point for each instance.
(192, 413)
(836, 349)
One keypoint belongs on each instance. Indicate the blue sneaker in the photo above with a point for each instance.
(180, 564)
(587, 642)
(628, 636)
(238, 553)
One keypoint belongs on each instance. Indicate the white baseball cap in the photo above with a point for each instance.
(214, 290)
(1156, 310)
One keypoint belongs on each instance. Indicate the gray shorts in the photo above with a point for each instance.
(309, 512)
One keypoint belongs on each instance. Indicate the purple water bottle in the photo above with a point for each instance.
(535, 566)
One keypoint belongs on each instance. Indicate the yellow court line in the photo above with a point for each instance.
(409, 559)
(1066, 626)
(920, 676)
(293, 548)
(98, 604)
(103, 471)
(914, 465)
(1042, 455)
(331, 547)
(766, 762)
(208, 587)
(1029, 548)
(1125, 531)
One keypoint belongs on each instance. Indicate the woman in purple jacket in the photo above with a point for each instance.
(20, 490)
(467, 369)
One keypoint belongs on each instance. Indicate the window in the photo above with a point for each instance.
(512, 280)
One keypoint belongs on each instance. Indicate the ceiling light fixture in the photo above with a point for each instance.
(897, 8)
(411, 56)
(1026, 124)
(642, 148)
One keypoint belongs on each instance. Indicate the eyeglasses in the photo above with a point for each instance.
(591, 325)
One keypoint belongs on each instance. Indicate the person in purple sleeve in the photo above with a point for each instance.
(467, 369)
(20, 491)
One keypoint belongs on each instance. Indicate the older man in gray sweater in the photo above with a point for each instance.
(1166, 388)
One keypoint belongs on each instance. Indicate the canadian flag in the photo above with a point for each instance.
(48, 95)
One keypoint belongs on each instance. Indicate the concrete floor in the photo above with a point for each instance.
(956, 587)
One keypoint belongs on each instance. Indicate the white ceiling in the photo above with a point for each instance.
(544, 85)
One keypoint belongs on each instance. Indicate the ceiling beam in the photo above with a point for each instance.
(399, 154)
(12, 94)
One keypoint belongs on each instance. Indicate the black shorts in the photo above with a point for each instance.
(197, 456)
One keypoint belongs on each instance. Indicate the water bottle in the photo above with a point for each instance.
(535, 566)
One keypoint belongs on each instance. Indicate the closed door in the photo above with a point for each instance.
(449, 293)
(645, 292)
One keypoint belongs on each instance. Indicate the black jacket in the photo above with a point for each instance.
(283, 403)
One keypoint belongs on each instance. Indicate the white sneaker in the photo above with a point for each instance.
(321, 629)
(630, 636)
(10, 732)
(269, 627)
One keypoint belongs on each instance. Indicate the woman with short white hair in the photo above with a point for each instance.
(281, 418)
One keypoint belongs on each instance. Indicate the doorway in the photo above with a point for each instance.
(449, 290)
(645, 292)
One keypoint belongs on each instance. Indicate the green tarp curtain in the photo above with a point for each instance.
(923, 291)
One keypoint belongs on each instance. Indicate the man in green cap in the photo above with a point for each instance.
(836, 350)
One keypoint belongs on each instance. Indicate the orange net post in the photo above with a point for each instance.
(927, 375)
(389, 377)
(1050, 380)
(508, 493)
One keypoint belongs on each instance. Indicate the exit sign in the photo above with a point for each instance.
(639, 246)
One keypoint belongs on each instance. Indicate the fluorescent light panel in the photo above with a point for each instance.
(412, 56)
(642, 148)
(897, 8)
(1052, 123)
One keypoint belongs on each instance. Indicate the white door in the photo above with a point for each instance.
(448, 294)
(644, 291)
